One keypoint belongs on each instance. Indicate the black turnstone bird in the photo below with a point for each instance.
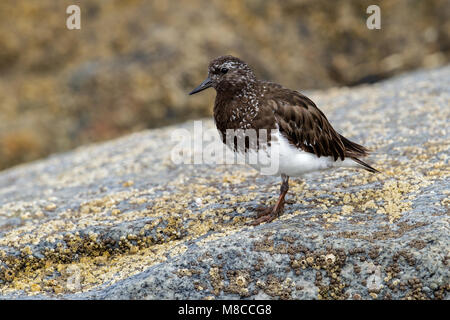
(304, 138)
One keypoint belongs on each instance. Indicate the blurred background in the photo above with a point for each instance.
(133, 62)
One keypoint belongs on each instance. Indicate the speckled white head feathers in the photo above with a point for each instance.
(227, 73)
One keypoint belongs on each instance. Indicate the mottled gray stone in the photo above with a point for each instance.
(136, 226)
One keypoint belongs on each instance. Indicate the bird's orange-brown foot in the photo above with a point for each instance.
(263, 210)
(268, 214)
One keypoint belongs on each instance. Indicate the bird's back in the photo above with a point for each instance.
(268, 105)
(305, 125)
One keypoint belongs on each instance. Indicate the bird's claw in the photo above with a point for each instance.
(266, 214)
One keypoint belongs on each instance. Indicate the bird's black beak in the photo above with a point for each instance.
(204, 85)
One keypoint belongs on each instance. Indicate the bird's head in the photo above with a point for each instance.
(227, 73)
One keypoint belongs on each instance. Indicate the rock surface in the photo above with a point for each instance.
(120, 220)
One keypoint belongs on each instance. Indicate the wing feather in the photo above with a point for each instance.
(306, 127)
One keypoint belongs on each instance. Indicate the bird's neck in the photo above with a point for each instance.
(236, 109)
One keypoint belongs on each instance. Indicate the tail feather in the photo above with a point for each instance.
(365, 165)
(354, 150)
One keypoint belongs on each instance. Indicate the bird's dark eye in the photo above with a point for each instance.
(223, 70)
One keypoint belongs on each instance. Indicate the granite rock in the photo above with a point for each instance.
(119, 220)
(130, 65)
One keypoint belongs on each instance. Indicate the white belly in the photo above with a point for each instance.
(283, 158)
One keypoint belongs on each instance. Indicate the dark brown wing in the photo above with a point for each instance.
(306, 127)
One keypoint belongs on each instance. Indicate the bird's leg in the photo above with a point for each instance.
(270, 213)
